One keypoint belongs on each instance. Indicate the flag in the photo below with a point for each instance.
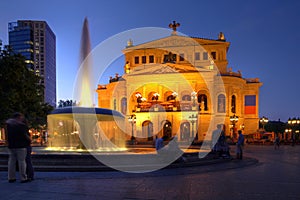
(250, 104)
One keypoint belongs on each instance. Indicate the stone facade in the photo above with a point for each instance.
(182, 86)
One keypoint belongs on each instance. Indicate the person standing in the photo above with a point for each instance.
(18, 141)
(159, 143)
(239, 145)
(29, 167)
(276, 143)
(215, 138)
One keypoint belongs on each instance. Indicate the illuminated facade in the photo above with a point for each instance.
(177, 85)
(37, 43)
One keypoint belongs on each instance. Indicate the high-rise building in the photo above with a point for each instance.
(37, 43)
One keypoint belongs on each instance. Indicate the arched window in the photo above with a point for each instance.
(186, 97)
(233, 104)
(123, 105)
(154, 96)
(115, 104)
(171, 97)
(167, 130)
(147, 130)
(221, 103)
(184, 131)
(202, 100)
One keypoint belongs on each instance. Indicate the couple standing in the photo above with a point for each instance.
(19, 149)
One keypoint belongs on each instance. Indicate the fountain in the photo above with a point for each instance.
(85, 127)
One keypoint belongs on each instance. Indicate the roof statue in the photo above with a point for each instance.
(174, 27)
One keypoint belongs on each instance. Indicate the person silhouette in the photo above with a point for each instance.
(239, 145)
(18, 140)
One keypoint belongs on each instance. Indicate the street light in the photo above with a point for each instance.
(293, 123)
(242, 126)
(193, 118)
(287, 131)
(264, 120)
(234, 119)
(132, 120)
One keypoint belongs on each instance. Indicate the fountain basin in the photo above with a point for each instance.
(86, 128)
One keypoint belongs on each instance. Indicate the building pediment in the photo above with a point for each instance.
(171, 42)
(153, 69)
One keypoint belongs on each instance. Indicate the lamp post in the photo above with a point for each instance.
(132, 120)
(293, 123)
(264, 120)
(234, 119)
(242, 126)
(193, 119)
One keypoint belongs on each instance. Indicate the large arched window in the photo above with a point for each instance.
(168, 96)
(147, 130)
(202, 100)
(124, 105)
(167, 130)
(221, 103)
(233, 104)
(154, 96)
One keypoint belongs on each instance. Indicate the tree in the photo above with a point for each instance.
(275, 126)
(21, 90)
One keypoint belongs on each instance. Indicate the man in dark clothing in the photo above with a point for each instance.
(18, 140)
(29, 167)
(239, 146)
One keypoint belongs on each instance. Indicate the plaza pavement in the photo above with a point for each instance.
(275, 176)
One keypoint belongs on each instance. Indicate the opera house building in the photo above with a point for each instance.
(178, 86)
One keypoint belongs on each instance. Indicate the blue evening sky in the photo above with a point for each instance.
(264, 37)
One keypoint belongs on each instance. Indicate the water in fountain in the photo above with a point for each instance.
(85, 127)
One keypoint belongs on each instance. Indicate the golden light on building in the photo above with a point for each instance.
(166, 81)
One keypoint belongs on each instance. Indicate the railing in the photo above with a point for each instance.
(165, 106)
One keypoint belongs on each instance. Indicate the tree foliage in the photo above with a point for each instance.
(276, 126)
(21, 90)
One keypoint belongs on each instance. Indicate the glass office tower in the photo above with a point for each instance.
(37, 43)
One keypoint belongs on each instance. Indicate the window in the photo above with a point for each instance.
(123, 105)
(186, 98)
(233, 104)
(147, 130)
(167, 130)
(181, 57)
(202, 100)
(185, 131)
(136, 60)
(221, 103)
(151, 59)
(214, 55)
(170, 58)
(115, 104)
(143, 59)
(205, 56)
(197, 56)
